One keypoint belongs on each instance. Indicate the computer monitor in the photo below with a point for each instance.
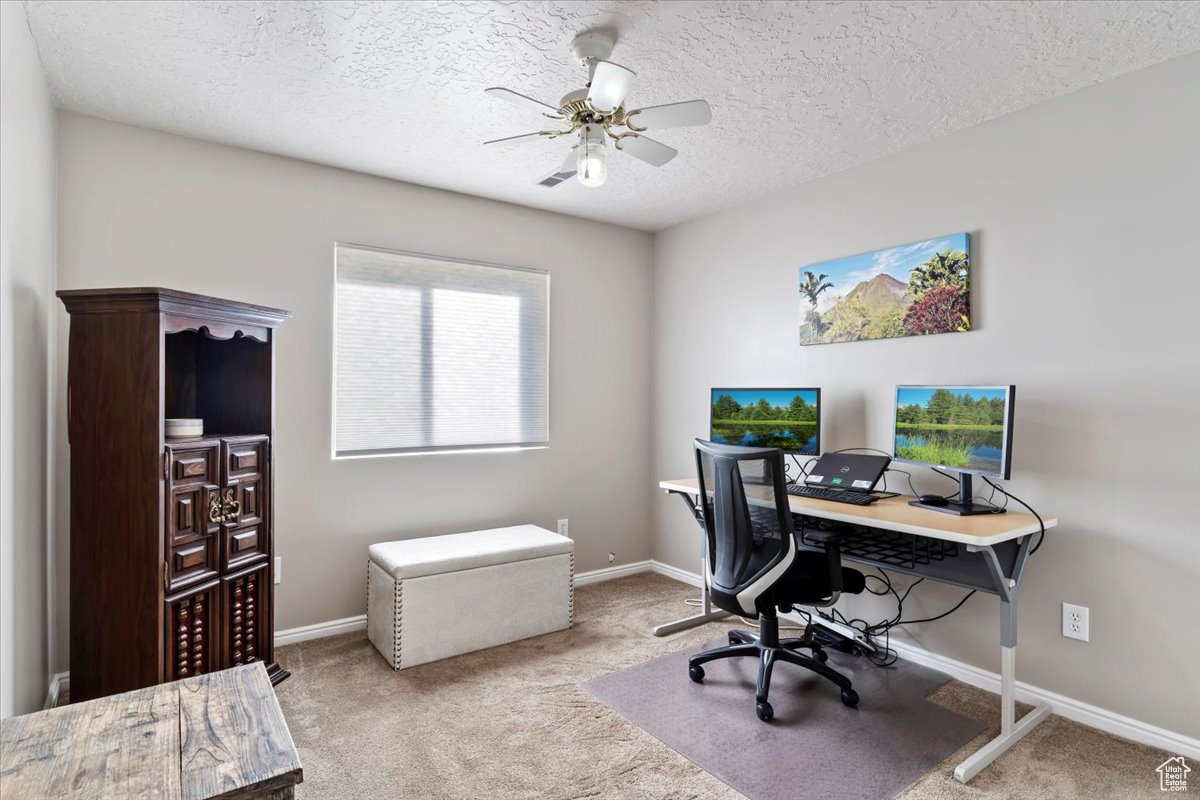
(967, 429)
(789, 419)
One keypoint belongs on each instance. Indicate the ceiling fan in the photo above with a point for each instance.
(597, 113)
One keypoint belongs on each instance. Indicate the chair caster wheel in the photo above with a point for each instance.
(821, 655)
(696, 673)
(849, 698)
(764, 711)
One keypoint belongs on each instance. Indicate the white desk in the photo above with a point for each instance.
(996, 549)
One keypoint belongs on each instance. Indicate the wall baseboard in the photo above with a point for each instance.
(1070, 708)
(1076, 710)
(610, 573)
(320, 630)
(681, 575)
(359, 623)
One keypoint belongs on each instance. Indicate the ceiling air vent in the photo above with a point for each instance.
(554, 179)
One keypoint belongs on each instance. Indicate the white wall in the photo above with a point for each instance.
(27, 240)
(144, 208)
(1084, 216)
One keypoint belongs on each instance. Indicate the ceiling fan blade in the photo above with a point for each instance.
(521, 138)
(648, 150)
(518, 99)
(610, 84)
(672, 115)
(562, 174)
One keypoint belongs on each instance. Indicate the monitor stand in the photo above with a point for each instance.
(963, 507)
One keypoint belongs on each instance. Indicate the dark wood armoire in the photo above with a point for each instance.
(171, 539)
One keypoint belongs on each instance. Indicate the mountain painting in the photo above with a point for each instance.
(910, 290)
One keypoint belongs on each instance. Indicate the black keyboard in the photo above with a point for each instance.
(836, 495)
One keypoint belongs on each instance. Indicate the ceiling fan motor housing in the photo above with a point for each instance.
(575, 109)
(592, 46)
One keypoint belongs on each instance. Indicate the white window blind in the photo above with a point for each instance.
(436, 355)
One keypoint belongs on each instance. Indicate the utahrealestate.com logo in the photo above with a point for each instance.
(1172, 775)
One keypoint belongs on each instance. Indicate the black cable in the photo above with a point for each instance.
(802, 467)
(1041, 523)
(881, 580)
(886, 625)
(884, 655)
(939, 616)
(908, 477)
(944, 474)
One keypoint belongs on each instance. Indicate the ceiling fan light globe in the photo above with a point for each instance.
(591, 164)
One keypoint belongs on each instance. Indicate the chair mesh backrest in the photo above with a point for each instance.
(745, 510)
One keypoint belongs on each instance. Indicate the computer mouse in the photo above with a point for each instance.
(933, 500)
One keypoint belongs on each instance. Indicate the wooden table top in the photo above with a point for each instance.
(220, 735)
(894, 513)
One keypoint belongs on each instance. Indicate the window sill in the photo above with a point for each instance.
(443, 451)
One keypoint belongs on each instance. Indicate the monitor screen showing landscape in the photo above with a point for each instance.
(966, 428)
(789, 419)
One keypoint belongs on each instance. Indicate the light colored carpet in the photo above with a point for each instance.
(513, 721)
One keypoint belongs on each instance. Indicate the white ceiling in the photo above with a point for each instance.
(798, 90)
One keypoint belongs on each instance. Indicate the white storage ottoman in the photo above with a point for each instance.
(440, 596)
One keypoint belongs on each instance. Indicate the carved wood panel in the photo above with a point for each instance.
(192, 561)
(191, 619)
(246, 614)
(243, 544)
(250, 496)
(188, 513)
(193, 468)
(244, 456)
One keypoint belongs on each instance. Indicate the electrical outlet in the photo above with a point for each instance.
(279, 569)
(1075, 622)
(612, 557)
(562, 528)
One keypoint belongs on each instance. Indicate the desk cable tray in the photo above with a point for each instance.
(904, 550)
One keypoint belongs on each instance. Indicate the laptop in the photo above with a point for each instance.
(854, 472)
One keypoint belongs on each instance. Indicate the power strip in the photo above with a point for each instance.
(855, 635)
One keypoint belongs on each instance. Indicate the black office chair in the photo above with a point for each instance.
(755, 568)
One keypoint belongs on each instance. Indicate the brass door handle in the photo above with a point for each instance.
(233, 508)
(215, 513)
(225, 509)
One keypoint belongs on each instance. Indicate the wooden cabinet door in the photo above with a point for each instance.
(190, 623)
(245, 538)
(192, 528)
(245, 616)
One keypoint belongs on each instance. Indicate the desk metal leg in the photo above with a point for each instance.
(1011, 731)
(707, 612)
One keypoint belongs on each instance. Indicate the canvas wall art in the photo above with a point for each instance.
(910, 290)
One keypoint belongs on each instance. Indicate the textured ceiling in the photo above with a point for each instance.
(798, 90)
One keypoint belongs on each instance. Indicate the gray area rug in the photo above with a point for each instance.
(815, 747)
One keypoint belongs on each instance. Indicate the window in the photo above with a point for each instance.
(435, 355)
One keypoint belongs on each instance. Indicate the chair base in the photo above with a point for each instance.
(768, 648)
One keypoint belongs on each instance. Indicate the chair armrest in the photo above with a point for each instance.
(822, 537)
(831, 540)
